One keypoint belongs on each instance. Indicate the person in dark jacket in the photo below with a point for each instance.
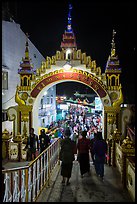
(100, 151)
(66, 156)
(32, 145)
(91, 148)
(83, 147)
(44, 140)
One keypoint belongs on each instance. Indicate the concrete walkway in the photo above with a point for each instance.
(86, 189)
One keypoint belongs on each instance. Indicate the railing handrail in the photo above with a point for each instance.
(131, 130)
(31, 162)
(15, 169)
(131, 133)
(24, 184)
(42, 153)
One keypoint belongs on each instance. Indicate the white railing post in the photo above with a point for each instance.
(38, 176)
(41, 170)
(47, 165)
(34, 181)
(44, 167)
(29, 186)
(23, 187)
(16, 191)
(7, 195)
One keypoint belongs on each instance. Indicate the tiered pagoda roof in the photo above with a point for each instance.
(26, 65)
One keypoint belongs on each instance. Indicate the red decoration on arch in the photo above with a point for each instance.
(79, 77)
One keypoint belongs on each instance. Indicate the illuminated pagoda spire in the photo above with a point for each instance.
(113, 44)
(69, 28)
(26, 71)
(26, 65)
(113, 62)
(113, 71)
(27, 49)
(69, 37)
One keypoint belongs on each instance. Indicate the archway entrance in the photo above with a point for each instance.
(36, 104)
(56, 69)
(29, 100)
(61, 75)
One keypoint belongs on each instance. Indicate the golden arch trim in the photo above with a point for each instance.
(81, 76)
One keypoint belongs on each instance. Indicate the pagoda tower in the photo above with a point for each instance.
(68, 44)
(26, 71)
(113, 70)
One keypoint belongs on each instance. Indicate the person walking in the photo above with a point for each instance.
(44, 140)
(83, 147)
(32, 145)
(100, 151)
(92, 140)
(66, 156)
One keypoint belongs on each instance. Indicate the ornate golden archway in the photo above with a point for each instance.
(81, 69)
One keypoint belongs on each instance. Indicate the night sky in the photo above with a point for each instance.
(92, 23)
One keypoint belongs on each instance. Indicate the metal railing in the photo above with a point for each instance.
(24, 184)
(131, 133)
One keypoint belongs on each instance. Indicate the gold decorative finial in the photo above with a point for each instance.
(27, 35)
(113, 44)
(27, 50)
(114, 32)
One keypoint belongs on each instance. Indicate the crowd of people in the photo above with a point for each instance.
(81, 138)
(84, 147)
(85, 138)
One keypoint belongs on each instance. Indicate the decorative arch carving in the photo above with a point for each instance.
(72, 75)
(83, 70)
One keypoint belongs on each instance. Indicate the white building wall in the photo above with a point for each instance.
(52, 108)
(48, 111)
(36, 119)
(13, 49)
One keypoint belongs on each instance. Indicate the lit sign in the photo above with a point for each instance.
(73, 75)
